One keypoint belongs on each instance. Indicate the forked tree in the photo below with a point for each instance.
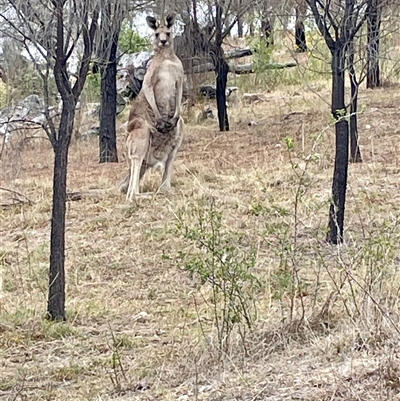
(374, 20)
(52, 29)
(374, 23)
(300, 33)
(339, 22)
(112, 13)
(266, 22)
(204, 35)
(238, 7)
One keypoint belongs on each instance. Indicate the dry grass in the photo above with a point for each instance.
(327, 326)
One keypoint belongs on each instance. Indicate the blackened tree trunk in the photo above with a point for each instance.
(108, 107)
(61, 141)
(209, 42)
(355, 153)
(266, 31)
(300, 33)
(266, 25)
(339, 184)
(344, 29)
(240, 20)
(240, 27)
(222, 70)
(56, 298)
(373, 41)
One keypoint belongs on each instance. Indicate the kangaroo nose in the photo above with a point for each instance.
(163, 41)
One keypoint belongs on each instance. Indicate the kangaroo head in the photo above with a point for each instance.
(162, 31)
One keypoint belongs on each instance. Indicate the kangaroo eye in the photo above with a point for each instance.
(168, 34)
(157, 35)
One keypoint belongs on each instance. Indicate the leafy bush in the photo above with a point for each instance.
(222, 260)
(93, 87)
(131, 42)
(262, 55)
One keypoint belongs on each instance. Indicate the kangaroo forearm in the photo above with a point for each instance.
(149, 95)
(178, 104)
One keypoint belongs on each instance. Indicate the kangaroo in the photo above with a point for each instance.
(163, 81)
(147, 147)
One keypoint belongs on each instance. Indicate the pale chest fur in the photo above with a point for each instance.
(163, 76)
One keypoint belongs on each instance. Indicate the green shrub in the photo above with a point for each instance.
(262, 55)
(223, 260)
(131, 42)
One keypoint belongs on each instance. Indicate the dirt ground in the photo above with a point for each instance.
(140, 327)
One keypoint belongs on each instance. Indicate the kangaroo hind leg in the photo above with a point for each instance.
(138, 146)
(169, 164)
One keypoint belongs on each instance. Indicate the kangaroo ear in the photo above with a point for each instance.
(152, 22)
(170, 20)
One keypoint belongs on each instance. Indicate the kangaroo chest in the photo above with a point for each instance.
(167, 73)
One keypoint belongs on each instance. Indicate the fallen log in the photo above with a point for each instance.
(201, 68)
(242, 68)
(251, 67)
(91, 193)
(277, 66)
(238, 53)
(11, 198)
(239, 68)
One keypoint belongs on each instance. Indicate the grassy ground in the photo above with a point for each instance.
(140, 327)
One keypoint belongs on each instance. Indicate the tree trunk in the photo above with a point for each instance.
(339, 184)
(221, 70)
(251, 18)
(266, 31)
(266, 25)
(56, 299)
(373, 39)
(61, 141)
(355, 154)
(251, 28)
(300, 33)
(240, 27)
(108, 108)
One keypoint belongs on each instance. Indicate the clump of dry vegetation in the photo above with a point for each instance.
(146, 317)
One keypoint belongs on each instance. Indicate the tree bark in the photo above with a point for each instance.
(56, 299)
(266, 25)
(222, 70)
(300, 33)
(61, 141)
(373, 42)
(108, 107)
(355, 153)
(339, 184)
(240, 27)
(251, 29)
(251, 18)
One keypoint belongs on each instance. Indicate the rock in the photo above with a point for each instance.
(121, 104)
(131, 71)
(29, 111)
(207, 113)
(142, 317)
(210, 90)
